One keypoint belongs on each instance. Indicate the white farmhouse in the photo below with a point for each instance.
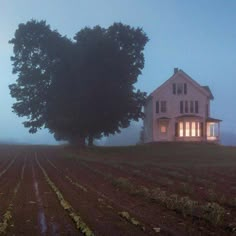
(179, 110)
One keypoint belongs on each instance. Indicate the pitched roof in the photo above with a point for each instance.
(204, 89)
(210, 119)
(209, 91)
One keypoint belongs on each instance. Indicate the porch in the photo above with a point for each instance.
(195, 128)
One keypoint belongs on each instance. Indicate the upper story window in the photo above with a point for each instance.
(186, 106)
(196, 106)
(161, 106)
(157, 106)
(179, 88)
(189, 107)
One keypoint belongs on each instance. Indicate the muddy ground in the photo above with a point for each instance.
(149, 190)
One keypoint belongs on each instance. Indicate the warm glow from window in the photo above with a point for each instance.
(181, 129)
(190, 129)
(198, 129)
(211, 130)
(163, 129)
(187, 129)
(193, 129)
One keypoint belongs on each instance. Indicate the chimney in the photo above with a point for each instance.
(176, 70)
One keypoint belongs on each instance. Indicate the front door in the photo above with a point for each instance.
(163, 130)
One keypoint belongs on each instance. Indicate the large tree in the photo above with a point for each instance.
(79, 88)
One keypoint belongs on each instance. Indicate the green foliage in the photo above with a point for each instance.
(80, 224)
(123, 183)
(214, 213)
(132, 220)
(81, 88)
(6, 219)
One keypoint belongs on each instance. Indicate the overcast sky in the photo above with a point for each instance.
(197, 36)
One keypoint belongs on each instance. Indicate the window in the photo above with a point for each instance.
(174, 88)
(187, 129)
(198, 129)
(193, 129)
(196, 106)
(157, 106)
(212, 130)
(185, 88)
(181, 106)
(186, 106)
(181, 129)
(163, 129)
(163, 106)
(191, 107)
(179, 88)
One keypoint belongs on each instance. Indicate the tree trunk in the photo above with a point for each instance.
(81, 142)
(78, 141)
(90, 141)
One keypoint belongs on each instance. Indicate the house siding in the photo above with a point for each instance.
(191, 91)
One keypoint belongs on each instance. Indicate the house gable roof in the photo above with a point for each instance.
(203, 89)
(209, 91)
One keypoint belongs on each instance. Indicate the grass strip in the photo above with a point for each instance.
(68, 178)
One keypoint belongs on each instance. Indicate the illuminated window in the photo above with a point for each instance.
(187, 129)
(163, 129)
(193, 129)
(181, 129)
(198, 129)
(212, 130)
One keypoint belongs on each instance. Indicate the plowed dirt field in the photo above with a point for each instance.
(157, 189)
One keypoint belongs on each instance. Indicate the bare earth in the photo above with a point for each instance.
(157, 189)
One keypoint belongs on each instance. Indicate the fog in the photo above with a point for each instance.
(198, 37)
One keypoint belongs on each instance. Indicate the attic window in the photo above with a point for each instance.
(185, 88)
(180, 88)
(174, 88)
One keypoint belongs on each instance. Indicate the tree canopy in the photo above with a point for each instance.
(80, 88)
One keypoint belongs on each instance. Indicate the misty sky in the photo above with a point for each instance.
(198, 37)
